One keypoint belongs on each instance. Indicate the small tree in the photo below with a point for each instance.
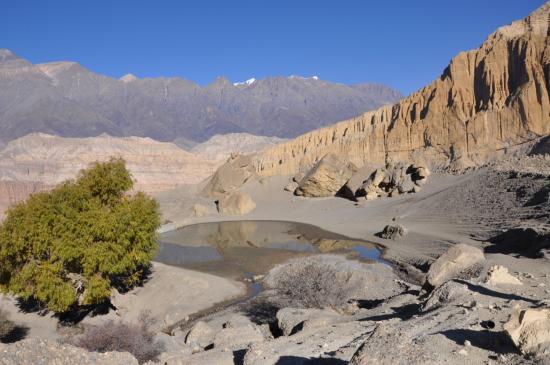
(73, 244)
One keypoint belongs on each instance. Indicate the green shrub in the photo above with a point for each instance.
(73, 244)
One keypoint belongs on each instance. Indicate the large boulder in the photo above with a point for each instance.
(357, 180)
(393, 232)
(37, 351)
(237, 203)
(393, 179)
(326, 178)
(499, 276)
(238, 338)
(230, 176)
(460, 260)
(290, 319)
(529, 329)
(201, 334)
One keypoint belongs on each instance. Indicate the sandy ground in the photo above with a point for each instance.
(170, 295)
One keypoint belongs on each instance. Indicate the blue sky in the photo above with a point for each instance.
(404, 44)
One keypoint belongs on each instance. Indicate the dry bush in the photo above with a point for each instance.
(314, 285)
(135, 338)
(6, 326)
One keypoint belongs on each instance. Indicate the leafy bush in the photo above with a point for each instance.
(73, 244)
(6, 326)
(314, 285)
(135, 338)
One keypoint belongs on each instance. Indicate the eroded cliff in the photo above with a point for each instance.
(487, 102)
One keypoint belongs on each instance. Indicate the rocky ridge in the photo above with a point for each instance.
(488, 102)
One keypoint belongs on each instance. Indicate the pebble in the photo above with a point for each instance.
(467, 343)
(463, 352)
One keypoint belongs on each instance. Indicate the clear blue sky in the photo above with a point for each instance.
(404, 44)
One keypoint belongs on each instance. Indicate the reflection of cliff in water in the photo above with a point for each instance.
(244, 248)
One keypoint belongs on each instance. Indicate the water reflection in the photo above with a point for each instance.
(244, 248)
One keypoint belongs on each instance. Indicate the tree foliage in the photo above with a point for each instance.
(71, 245)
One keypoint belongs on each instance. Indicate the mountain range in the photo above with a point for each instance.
(66, 99)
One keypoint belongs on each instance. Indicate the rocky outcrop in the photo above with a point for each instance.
(498, 276)
(230, 176)
(393, 232)
(529, 329)
(237, 203)
(458, 261)
(36, 351)
(486, 102)
(326, 178)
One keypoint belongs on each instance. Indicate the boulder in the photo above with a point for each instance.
(201, 358)
(498, 275)
(201, 334)
(356, 181)
(230, 176)
(171, 343)
(238, 338)
(529, 329)
(445, 294)
(237, 203)
(290, 319)
(326, 178)
(37, 351)
(291, 186)
(393, 232)
(460, 260)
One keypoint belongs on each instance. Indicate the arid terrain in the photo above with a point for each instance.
(448, 192)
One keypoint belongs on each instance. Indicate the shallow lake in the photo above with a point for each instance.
(241, 249)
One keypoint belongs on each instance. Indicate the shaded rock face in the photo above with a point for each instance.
(486, 102)
(529, 329)
(459, 260)
(237, 203)
(326, 178)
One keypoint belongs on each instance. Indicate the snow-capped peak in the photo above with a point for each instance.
(247, 82)
(304, 78)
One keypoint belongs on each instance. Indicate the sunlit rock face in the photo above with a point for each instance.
(487, 102)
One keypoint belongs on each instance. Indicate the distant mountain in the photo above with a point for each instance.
(65, 99)
(221, 146)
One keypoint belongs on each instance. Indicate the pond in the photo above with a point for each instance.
(242, 249)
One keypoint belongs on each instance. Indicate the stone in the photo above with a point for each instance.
(448, 292)
(238, 338)
(200, 210)
(201, 333)
(498, 275)
(326, 178)
(291, 186)
(529, 329)
(394, 233)
(457, 261)
(210, 357)
(349, 190)
(171, 343)
(37, 351)
(230, 176)
(236, 203)
(289, 319)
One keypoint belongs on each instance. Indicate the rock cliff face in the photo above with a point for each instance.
(486, 103)
(38, 161)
